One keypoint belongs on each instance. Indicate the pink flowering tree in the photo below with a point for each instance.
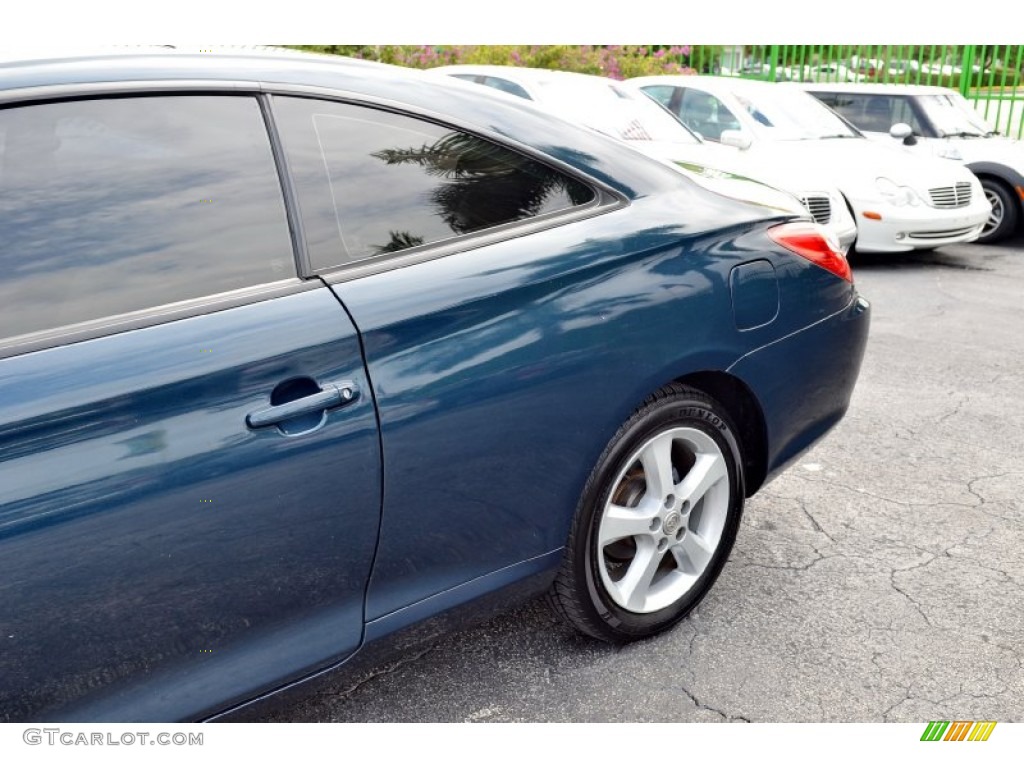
(615, 61)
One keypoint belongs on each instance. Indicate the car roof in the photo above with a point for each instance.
(35, 75)
(710, 82)
(522, 75)
(878, 88)
(55, 67)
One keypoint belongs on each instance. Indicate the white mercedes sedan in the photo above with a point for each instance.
(901, 202)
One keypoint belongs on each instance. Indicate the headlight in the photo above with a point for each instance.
(895, 194)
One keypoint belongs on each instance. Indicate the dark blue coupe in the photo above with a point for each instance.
(299, 353)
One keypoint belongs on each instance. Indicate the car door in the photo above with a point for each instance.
(189, 452)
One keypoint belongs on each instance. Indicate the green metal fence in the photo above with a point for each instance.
(989, 76)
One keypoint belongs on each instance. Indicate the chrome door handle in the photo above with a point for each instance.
(331, 396)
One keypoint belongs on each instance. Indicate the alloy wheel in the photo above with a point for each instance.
(995, 219)
(664, 519)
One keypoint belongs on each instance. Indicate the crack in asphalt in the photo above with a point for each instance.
(907, 696)
(912, 601)
(803, 506)
(975, 696)
(708, 708)
(815, 523)
(862, 492)
(898, 436)
(387, 669)
(875, 656)
(974, 493)
(901, 503)
(773, 567)
(1011, 520)
(1006, 577)
(693, 638)
(964, 400)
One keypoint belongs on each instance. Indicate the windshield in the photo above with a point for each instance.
(612, 109)
(952, 116)
(791, 115)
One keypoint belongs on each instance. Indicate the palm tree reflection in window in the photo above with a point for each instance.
(482, 185)
(399, 242)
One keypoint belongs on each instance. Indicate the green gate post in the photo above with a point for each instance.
(966, 67)
(771, 68)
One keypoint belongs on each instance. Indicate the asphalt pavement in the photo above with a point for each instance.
(880, 578)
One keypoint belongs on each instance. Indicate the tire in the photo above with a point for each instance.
(1003, 220)
(645, 547)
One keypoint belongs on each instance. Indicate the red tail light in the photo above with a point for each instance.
(814, 244)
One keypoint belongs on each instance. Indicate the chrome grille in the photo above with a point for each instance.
(820, 208)
(958, 196)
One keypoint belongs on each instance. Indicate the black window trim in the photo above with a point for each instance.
(35, 341)
(303, 262)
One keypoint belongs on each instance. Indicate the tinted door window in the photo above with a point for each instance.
(372, 183)
(114, 205)
(873, 112)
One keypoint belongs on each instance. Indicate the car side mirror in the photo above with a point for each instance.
(737, 139)
(904, 132)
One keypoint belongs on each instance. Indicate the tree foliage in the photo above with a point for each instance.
(616, 61)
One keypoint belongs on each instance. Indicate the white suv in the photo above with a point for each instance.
(939, 121)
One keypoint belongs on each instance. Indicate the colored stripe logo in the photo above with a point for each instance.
(958, 730)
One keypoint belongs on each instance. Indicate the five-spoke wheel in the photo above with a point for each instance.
(664, 520)
(656, 521)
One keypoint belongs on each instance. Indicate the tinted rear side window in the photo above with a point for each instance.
(114, 205)
(661, 93)
(507, 86)
(706, 114)
(372, 183)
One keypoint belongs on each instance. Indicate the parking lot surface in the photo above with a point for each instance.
(880, 578)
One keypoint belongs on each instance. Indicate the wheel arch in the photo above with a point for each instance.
(745, 410)
(1013, 180)
(853, 215)
(1008, 186)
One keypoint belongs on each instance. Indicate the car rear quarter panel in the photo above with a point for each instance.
(501, 373)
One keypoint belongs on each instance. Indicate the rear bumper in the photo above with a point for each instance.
(805, 381)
